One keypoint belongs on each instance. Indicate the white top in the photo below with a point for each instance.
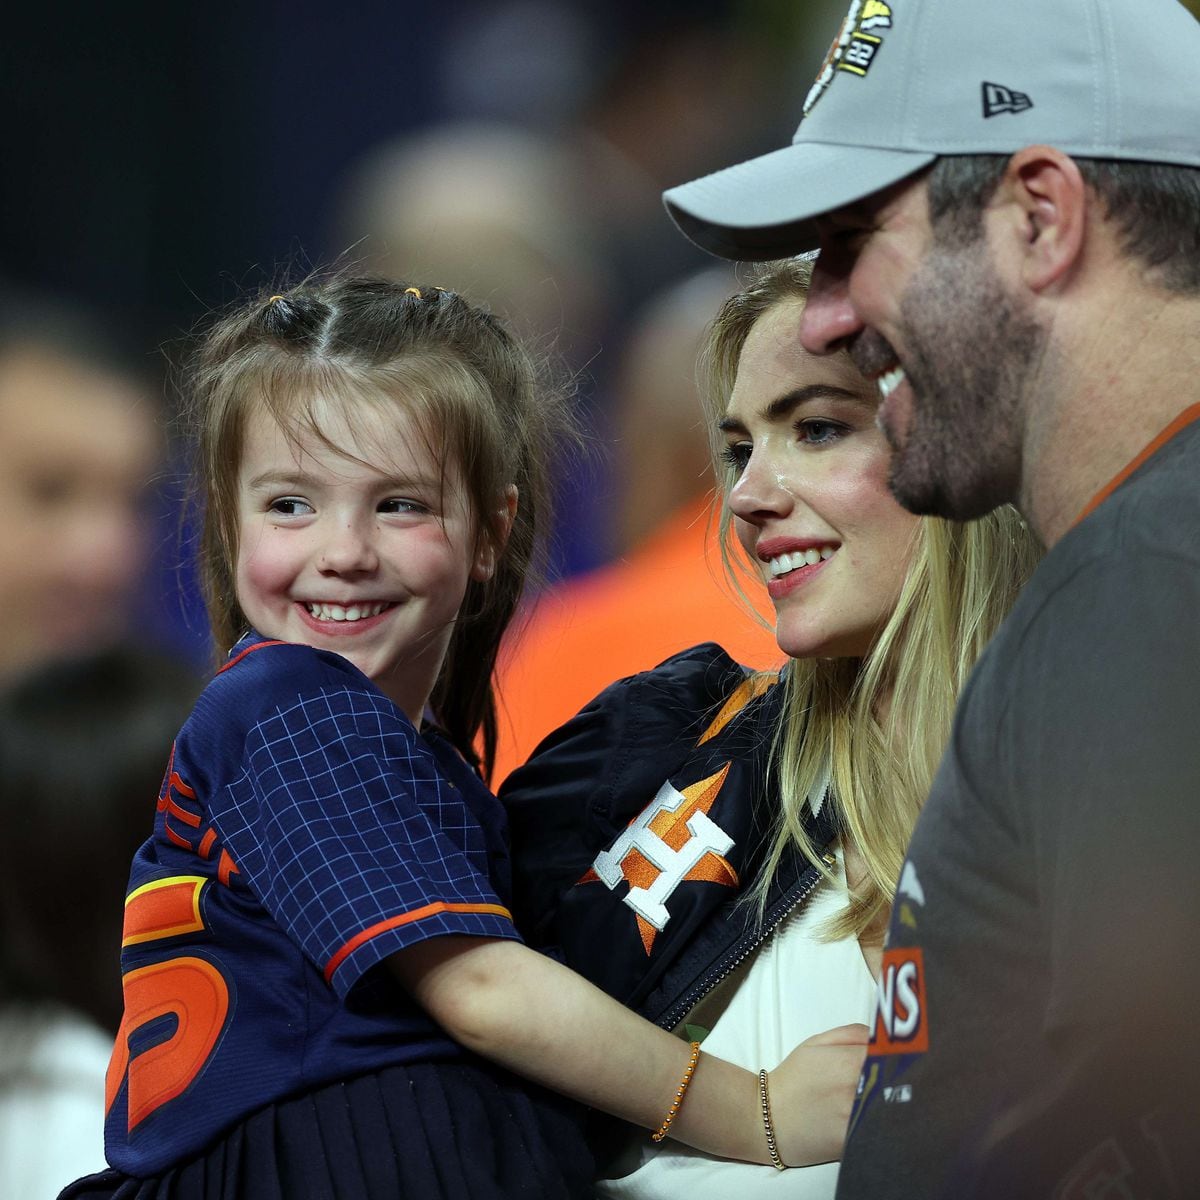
(796, 986)
(52, 1065)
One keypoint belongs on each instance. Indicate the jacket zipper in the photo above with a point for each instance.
(731, 962)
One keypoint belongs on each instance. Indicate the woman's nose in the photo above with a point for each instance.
(349, 549)
(761, 492)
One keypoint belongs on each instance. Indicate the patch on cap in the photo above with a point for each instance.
(855, 47)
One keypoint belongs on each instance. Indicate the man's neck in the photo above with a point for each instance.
(1127, 372)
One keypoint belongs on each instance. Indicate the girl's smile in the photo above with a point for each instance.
(369, 561)
(348, 619)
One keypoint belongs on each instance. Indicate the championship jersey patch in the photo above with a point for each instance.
(855, 46)
(901, 1016)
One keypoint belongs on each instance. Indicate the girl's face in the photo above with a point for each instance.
(811, 504)
(371, 562)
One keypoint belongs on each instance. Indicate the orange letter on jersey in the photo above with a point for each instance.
(190, 988)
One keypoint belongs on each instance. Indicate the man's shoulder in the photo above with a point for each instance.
(1154, 510)
(1110, 604)
(1121, 553)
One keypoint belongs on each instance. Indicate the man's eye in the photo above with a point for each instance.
(846, 239)
(736, 455)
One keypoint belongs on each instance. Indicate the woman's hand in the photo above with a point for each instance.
(812, 1091)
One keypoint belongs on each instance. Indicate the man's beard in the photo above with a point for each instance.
(969, 353)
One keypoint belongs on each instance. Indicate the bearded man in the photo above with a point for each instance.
(1007, 204)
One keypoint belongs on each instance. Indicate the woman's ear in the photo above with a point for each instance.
(494, 537)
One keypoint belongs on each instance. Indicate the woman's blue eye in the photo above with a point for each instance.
(736, 455)
(817, 432)
(290, 506)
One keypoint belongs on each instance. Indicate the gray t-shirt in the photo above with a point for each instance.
(1035, 1034)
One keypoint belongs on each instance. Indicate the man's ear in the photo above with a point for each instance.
(1050, 200)
(494, 537)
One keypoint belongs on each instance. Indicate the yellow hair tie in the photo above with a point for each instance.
(413, 292)
(274, 298)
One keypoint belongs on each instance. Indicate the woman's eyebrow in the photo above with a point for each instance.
(782, 406)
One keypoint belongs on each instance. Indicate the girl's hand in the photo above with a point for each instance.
(812, 1091)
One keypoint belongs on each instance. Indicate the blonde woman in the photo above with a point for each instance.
(719, 849)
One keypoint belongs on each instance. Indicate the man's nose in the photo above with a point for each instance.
(829, 319)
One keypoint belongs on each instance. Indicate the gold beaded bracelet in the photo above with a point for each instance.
(661, 1132)
(772, 1149)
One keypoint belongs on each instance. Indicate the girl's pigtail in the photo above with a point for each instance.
(294, 319)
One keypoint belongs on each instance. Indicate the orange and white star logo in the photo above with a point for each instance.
(672, 840)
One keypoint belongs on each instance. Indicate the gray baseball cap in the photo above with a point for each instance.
(908, 80)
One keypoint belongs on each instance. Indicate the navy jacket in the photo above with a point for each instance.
(639, 824)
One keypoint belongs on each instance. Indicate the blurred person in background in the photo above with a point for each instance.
(488, 209)
(487, 206)
(79, 446)
(82, 746)
(633, 94)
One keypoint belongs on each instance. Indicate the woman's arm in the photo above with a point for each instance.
(528, 1013)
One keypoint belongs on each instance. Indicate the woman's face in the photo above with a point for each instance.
(810, 500)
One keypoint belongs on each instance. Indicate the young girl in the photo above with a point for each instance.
(317, 941)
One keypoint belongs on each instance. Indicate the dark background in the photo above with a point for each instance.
(158, 160)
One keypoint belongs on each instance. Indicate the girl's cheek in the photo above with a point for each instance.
(262, 565)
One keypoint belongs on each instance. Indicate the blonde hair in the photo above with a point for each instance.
(474, 393)
(875, 727)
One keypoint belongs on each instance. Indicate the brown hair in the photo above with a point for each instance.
(475, 393)
(1154, 206)
(873, 728)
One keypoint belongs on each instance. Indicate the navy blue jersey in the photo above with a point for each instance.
(305, 830)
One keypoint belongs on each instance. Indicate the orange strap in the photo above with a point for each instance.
(1184, 419)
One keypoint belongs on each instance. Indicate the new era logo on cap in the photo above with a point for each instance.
(999, 99)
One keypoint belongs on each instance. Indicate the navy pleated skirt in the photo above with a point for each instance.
(461, 1130)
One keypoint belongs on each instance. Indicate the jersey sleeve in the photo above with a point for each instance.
(350, 836)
